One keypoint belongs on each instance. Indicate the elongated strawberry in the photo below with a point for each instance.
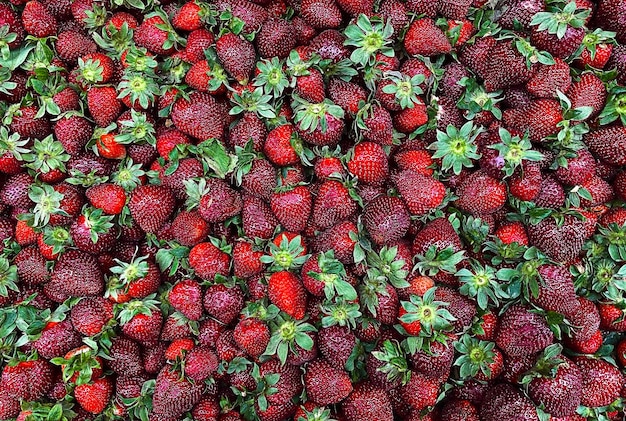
(292, 207)
(285, 290)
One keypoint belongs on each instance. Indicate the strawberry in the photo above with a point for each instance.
(325, 384)
(505, 401)
(275, 39)
(292, 207)
(539, 118)
(258, 219)
(93, 397)
(608, 144)
(521, 332)
(421, 193)
(90, 315)
(594, 373)
(252, 336)
(27, 380)
(237, 56)
(561, 242)
(201, 363)
(186, 297)
(285, 291)
(77, 274)
(38, 21)
(346, 94)
(550, 78)
(589, 91)
(202, 116)
(223, 303)
(386, 219)
(152, 35)
(481, 194)
(151, 206)
(253, 15)
(141, 321)
(73, 132)
(103, 104)
(321, 14)
(207, 260)
(280, 146)
(365, 401)
(410, 119)
(174, 394)
(612, 13)
(197, 41)
(333, 203)
(425, 38)
(369, 163)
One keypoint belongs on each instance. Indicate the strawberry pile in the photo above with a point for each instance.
(312, 210)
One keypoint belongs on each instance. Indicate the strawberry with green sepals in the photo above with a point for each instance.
(237, 55)
(194, 15)
(48, 158)
(157, 34)
(560, 29)
(288, 254)
(514, 150)
(597, 48)
(456, 147)
(141, 320)
(305, 77)
(12, 148)
(319, 123)
(93, 232)
(369, 36)
(289, 336)
(480, 283)
(95, 68)
(323, 275)
(405, 88)
(615, 107)
(270, 75)
(424, 314)
(478, 359)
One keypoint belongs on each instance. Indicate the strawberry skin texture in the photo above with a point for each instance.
(286, 291)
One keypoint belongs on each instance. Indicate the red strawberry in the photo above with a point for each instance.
(589, 91)
(367, 402)
(550, 78)
(252, 336)
(539, 118)
(369, 163)
(152, 35)
(386, 219)
(207, 261)
(601, 381)
(151, 206)
(481, 194)
(285, 291)
(321, 14)
(275, 39)
(109, 197)
(223, 303)
(202, 116)
(103, 104)
(326, 384)
(38, 21)
(292, 207)
(186, 297)
(27, 380)
(237, 56)
(420, 193)
(93, 397)
(425, 38)
(333, 204)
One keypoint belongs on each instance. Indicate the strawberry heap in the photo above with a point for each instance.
(312, 210)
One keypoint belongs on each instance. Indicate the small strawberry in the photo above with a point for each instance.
(285, 291)
(93, 397)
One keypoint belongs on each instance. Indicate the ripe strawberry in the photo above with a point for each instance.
(339, 238)
(275, 39)
(521, 332)
(292, 207)
(257, 217)
(425, 38)
(285, 291)
(12, 21)
(253, 15)
(28, 380)
(152, 35)
(174, 394)
(550, 78)
(207, 261)
(151, 206)
(223, 303)
(589, 91)
(321, 14)
(369, 163)
(333, 204)
(141, 321)
(252, 336)
(539, 118)
(76, 274)
(73, 132)
(202, 116)
(27, 124)
(103, 104)
(109, 197)
(186, 297)
(91, 314)
(38, 21)
(480, 194)
(601, 381)
(346, 94)
(249, 127)
(504, 401)
(237, 56)
(198, 41)
(201, 363)
(386, 219)
(513, 232)
(561, 242)
(109, 148)
(325, 384)
(93, 397)
(410, 119)
(608, 144)
(365, 401)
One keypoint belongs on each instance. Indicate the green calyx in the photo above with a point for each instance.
(456, 147)
(556, 21)
(370, 37)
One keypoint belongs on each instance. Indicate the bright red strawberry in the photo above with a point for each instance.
(38, 21)
(252, 336)
(369, 163)
(103, 104)
(93, 397)
(186, 297)
(207, 261)
(285, 291)
(109, 197)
